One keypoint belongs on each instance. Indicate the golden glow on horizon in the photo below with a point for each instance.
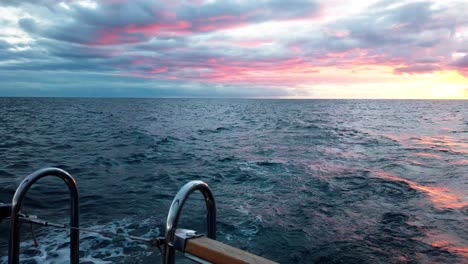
(452, 77)
(451, 85)
(448, 92)
(380, 82)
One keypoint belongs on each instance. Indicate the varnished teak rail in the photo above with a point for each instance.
(217, 252)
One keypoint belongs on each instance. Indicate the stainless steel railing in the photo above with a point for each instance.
(174, 239)
(175, 212)
(17, 202)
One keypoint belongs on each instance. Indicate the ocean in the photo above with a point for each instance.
(295, 181)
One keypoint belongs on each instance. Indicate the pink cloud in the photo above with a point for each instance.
(158, 70)
(251, 43)
(178, 27)
(295, 48)
(112, 36)
(130, 33)
(139, 61)
(218, 26)
(356, 44)
(220, 18)
(462, 62)
(417, 69)
(197, 2)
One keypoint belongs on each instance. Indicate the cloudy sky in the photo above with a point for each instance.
(243, 48)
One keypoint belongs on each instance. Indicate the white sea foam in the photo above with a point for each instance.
(94, 248)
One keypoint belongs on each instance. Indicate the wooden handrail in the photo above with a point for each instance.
(217, 252)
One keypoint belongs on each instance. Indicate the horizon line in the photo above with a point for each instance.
(239, 98)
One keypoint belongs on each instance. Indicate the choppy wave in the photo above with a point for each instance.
(308, 181)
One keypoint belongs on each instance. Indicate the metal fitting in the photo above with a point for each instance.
(181, 236)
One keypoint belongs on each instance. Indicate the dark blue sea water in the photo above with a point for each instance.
(296, 181)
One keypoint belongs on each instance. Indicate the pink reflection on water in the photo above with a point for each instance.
(328, 167)
(396, 138)
(440, 142)
(414, 162)
(449, 246)
(443, 143)
(447, 242)
(460, 162)
(441, 196)
(428, 155)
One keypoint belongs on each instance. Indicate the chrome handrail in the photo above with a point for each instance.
(176, 209)
(14, 244)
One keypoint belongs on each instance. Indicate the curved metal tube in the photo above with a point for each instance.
(176, 209)
(14, 245)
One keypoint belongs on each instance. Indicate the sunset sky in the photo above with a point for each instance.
(260, 49)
